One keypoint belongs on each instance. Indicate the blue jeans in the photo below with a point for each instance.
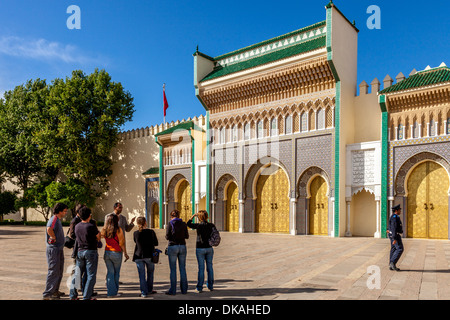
(145, 284)
(177, 252)
(86, 267)
(113, 261)
(205, 255)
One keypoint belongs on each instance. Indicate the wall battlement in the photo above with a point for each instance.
(152, 130)
(376, 86)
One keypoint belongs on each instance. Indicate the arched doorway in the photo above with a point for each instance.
(232, 208)
(318, 207)
(272, 203)
(427, 205)
(155, 215)
(184, 200)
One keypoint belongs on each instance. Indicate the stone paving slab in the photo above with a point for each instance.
(252, 266)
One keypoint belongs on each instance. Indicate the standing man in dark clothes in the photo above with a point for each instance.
(55, 255)
(76, 220)
(177, 233)
(87, 237)
(394, 231)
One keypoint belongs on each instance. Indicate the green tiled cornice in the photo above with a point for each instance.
(421, 79)
(263, 43)
(267, 58)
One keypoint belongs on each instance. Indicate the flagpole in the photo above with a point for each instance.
(164, 90)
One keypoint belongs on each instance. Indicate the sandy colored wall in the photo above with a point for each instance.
(367, 115)
(344, 46)
(132, 156)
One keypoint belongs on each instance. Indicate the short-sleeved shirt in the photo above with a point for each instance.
(86, 236)
(57, 227)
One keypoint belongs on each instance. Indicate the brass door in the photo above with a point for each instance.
(155, 216)
(272, 204)
(427, 215)
(232, 210)
(318, 207)
(184, 200)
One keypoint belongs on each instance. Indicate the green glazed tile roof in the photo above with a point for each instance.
(267, 58)
(421, 79)
(153, 170)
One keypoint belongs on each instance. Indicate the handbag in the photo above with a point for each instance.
(155, 256)
(69, 242)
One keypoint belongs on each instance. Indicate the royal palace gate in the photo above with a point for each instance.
(427, 201)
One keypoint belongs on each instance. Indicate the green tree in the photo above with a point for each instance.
(21, 113)
(66, 129)
(85, 114)
(71, 193)
(36, 197)
(7, 202)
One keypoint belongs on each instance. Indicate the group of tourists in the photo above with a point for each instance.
(85, 239)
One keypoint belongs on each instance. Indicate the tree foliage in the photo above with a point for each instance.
(66, 129)
(7, 202)
(20, 117)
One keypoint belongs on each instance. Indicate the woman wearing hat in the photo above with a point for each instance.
(394, 231)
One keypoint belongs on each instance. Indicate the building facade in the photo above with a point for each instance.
(290, 143)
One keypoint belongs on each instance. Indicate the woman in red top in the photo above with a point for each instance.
(114, 251)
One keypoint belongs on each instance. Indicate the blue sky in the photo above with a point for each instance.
(144, 43)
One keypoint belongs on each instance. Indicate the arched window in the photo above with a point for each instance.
(259, 130)
(222, 135)
(415, 133)
(273, 127)
(320, 119)
(433, 128)
(304, 122)
(288, 124)
(234, 133)
(400, 132)
(448, 126)
(247, 131)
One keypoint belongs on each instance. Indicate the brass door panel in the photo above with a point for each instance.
(427, 215)
(232, 210)
(155, 216)
(438, 184)
(184, 200)
(272, 204)
(318, 207)
(417, 198)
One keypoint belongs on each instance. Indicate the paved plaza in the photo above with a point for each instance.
(253, 266)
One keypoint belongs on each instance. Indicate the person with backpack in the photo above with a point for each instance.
(204, 250)
(177, 233)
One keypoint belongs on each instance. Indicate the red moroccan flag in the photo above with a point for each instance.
(166, 104)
